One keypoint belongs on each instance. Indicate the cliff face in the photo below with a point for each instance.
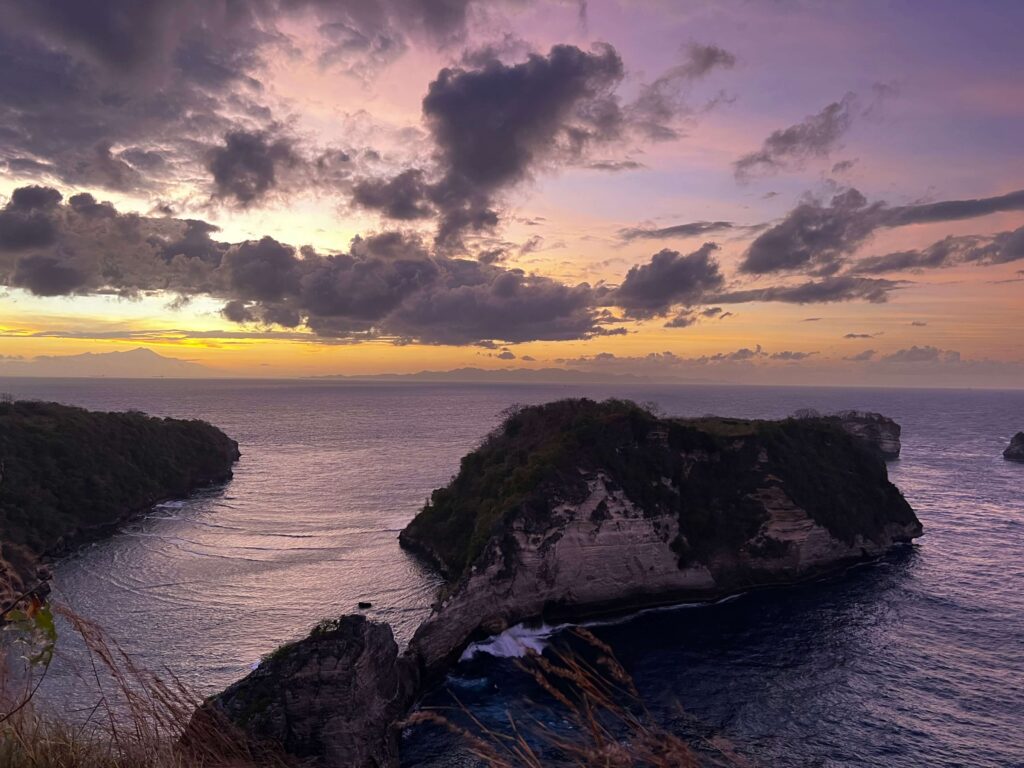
(68, 475)
(874, 429)
(333, 696)
(1015, 450)
(578, 507)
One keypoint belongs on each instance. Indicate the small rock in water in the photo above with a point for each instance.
(364, 604)
(1015, 450)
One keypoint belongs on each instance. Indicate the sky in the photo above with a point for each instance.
(755, 192)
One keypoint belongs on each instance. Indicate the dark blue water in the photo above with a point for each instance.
(914, 661)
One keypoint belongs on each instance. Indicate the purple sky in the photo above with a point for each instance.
(286, 187)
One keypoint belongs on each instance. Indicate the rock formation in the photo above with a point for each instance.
(333, 696)
(878, 431)
(1015, 450)
(576, 508)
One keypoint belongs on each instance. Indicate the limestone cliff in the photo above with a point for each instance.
(1015, 450)
(577, 507)
(333, 696)
(878, 431)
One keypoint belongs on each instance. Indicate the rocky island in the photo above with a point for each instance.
(576, 508)
(1015, 450)
(68, 475)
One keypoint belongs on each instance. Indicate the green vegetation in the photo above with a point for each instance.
(539, 455)
(67, 474)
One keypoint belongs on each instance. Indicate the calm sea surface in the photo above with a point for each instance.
(914, 661)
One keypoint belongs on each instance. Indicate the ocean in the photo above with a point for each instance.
(916, 660)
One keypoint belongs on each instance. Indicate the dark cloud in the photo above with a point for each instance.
(549, 105)
(506, 354)
(34, 198)
(859, 336)
(819, 238)
(813, 237)
(954, 210)
(843, 166)
(692, 229)
(26, 222)
(237, 312)
(791, 356)
(388, 286)
(264, 270)
(1000, 248)
(403, 197)
(669, 278)
(47, 276)
(815, 136)
(246, 167)
(829, 289)
(682, 320)
(87, 205)
(195, 243)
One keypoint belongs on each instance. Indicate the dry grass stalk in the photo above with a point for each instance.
(610, 727)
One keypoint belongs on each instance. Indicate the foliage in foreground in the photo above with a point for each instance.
(138, 720)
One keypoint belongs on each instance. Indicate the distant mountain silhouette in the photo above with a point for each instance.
(137, 363)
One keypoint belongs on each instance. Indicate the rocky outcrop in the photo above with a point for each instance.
(68, 475)
(333, 697)
(876, 430)
(626, 510)
(1015, 450)
(576, 508)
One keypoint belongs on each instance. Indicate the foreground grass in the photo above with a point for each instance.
(143, 720)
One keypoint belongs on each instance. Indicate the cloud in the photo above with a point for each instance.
(245, 167)
(1000, 248)
(682, 320)
(403, 197)
(859, 336)
(25, 222)
(550, 105)
(692, 229)
(867, 354)
(815, 136)
(818, 238)
(669, 278)
(390, 285)
(655, 110)
(925, 354)
(46, 276)
(829, 289)
(791, 356)
(814, 237)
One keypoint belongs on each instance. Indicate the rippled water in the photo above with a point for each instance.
(916, 661)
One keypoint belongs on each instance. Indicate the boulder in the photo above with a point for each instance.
(332, 698)
(1015, 450)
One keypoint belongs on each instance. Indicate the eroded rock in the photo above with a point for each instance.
(1015, 450)
(333, 697)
